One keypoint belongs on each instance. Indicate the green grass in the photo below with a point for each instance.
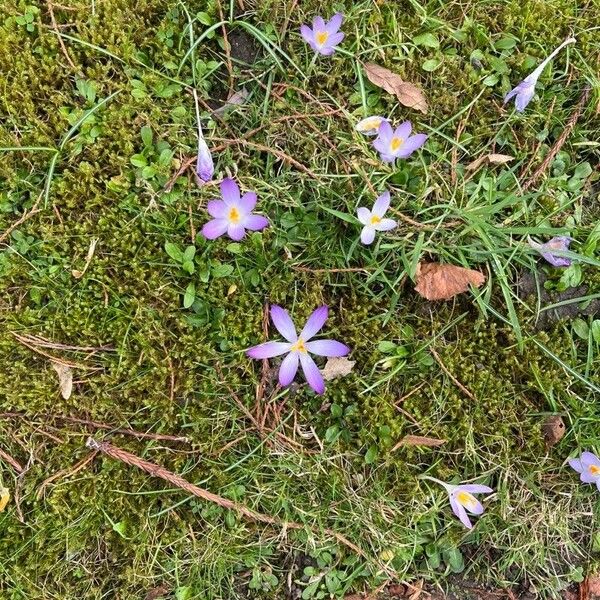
(77, 145)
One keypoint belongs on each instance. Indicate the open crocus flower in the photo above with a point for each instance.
(462, 499)
(524, 91)
(588, 466)
(393, 144)
(373, 219)
(370, 125)
(297, 347)
(324, 37)
(232, 214)
(547, 250)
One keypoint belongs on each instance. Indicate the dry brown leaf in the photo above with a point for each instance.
(436, 281)
(337, 367)
(65, 379)
(492, 159)
(407, 93)
(4, 498)
(554, 429)
(418, 440)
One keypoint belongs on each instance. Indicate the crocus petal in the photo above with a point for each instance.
(326, 50)
(364, 215)
(381, 204)
(335, 39)
(387, 158)
(476, 508)
(255, 222)
(318, 24)
(215, 228)
(315, 323)
(288, 369)
(381, 144)
(575, 464)
(217, 209)
(283, 323)
(386, 225)
(327, 348)
(414, 142)
(589, 458)
(587, 477)
(403, 130)
(524, 98)
(205, 167)
(230, 192)
(556, 261)
(369, 125)
(247, 203)
(236, 231)
(334, 23)
(312, 373)
(461, 513)
(386, 132)
(268, 350)
(598, 484)
(307, 34)
(511, 94)
(367, 235)
(475, 488)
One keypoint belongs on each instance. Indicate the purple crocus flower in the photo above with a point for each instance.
(204, 165)
(547, 250)
(393, 144)
(232, 214)
(297, 347)
(324, 37)
(462, 499)
(373, 219)
(524, 91)
(370, 125)
(588, 466)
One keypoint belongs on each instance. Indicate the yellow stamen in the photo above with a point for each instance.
(375, 219)
(299, 347)
(594, 470)
(396, 143)
(234, 215)
(465, 499)
(321, 37)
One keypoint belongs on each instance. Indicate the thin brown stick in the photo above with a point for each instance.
(66, 473)
(346, 270)
(561, 140)
(60, 40)
(157, 471)
(36, 340)
(456, 382)
(14, 463)
(32, 211)
(163, 437)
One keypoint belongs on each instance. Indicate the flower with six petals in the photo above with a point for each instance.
(588, 467)
(232, 214)
(399, 143)
(324, 37)
(373, 220)
(299, 347)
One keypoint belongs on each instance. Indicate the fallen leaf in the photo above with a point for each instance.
(553, 429)
(4, 498)
(436, 281)
(337, 367)
(418, 440)
(593, 587)
(236, 99)
(492, 159)
(65, 379)
(157, 592)
(407, 93)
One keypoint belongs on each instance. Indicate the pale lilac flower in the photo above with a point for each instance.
(370, 125)
(232, 214)
(588, 466)
(297, 347)
(373, 219)
(205, 167)
(524, 91)
(324, 37)
(393, 144)
(462, 499)
(547, 250)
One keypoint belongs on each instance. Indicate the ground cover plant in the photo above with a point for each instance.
(185, 185)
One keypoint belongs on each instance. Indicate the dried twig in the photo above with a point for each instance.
(15, 464)
(346, 270)
(36, 340)
(561, 140)
(157, 471)
(456, 382)
(60, 40)
(32, 211)
(66, 473)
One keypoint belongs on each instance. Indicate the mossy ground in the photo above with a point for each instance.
(109, 531)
